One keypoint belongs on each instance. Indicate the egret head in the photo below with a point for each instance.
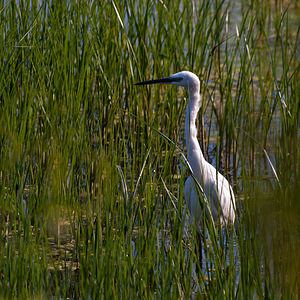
(185, 78)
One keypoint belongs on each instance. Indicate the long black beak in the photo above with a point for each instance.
(161, 80)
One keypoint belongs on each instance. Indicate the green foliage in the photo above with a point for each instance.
(91, 190)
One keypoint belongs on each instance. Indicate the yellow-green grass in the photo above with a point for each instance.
(92, 168)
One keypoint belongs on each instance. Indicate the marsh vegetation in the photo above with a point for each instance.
(91, 191)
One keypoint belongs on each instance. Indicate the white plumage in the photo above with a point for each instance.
(215, 186)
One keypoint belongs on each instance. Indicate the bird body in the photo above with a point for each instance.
(217, 189)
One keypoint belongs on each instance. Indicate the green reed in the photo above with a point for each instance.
(92, 168)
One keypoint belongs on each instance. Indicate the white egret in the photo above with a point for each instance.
(217, 189)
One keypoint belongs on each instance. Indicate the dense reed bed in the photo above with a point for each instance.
(91, 190)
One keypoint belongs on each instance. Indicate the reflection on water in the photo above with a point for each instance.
(278, 228)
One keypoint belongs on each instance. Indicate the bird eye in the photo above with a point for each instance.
(177, 79)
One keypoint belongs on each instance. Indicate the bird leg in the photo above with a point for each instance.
(199, 252)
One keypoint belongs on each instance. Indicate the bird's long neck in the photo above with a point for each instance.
(195, 155)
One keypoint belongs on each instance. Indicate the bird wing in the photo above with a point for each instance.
(220, 195)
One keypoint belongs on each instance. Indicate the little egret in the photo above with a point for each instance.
(217, 189)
